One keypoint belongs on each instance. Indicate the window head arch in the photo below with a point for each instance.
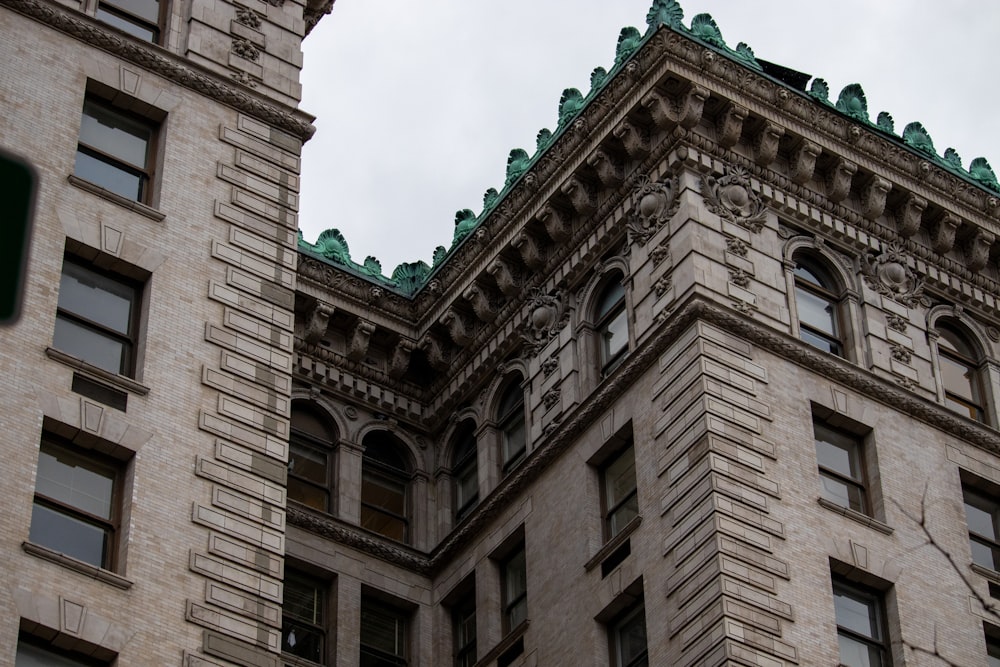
(611, 324)
(818, 298)
(385, 479)
(310, 457)
(465, 473)
(959, 363)
(510, 418)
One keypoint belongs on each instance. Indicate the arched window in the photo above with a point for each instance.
(465, 471)
(510, 417)
(959, 363)
(817, 299)
(611, 324)
(385, 477)
(310, 458)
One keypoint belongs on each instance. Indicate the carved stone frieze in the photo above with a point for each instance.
(838, 180)
(686, 112)
(437, 355)
(247, 17)
(557, 226)
(506, 276)
(802, 162)
(739, 277)
(662, 285)
(548, 313)
(900, 353)
(653, 204)
(888, 274)
(550, 365)
(317, 320)
(729, 126)
(732, 198)
(357, 346)
(873, 197)
(765, 145)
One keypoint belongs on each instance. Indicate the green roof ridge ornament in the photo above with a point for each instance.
(628, 41)
(665, 12)
(981, 171)
(885, 122)
(597, 78)
(410, 276)
(745, 55)
(440, 253)
(517, 162)
(852, 101)
(465, 222)
(703, 27)
(543, 140)
(372, 266)
(490, 198)
(953, 159)
(916, 136)
(820, 90)
(570, 104)
(332, 245)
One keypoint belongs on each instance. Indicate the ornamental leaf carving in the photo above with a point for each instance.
(245, 49)
(703, 27)
(569, 105)
(547, 316)
(653, 203)
(628, 41)
(889, 275)
(731, 197)
(665, 12)
(852, 102)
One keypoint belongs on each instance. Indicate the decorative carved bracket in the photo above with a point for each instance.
(531, 253)
(319, 318)
(729, 126)
(482, 305)
(579, 195)
(943, 239)
(505, 277)
(977, 249)
(634, 139)
(838, 180)
(400, 358)
(765, 145)
(556, 226)
(610, 173)
(459, 330)
(873, 197)
(803, 162)
(686, 112)
(436, 355)
(910, 213)
(357, 346)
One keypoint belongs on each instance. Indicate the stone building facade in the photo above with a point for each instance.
(712, 380)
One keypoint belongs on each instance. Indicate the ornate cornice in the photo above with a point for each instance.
(161, 62)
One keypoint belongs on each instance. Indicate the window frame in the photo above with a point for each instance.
(875, 603)
(134, 20)
(820, 284)
(110, 526)
(401, 634)
(320, 590)
(76, 657)
(615, 633)
(465, 468)
(974, 405)
(608, 313)
(855, 446)
(386, 475)
(510, 416)
(609, 510)
(76, 316)
(989, 504)
(514, 599)
(463, 614)
(303, 439)
(145, 173)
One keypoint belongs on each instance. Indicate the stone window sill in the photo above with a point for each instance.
(125, 202)
(504, 644)
(613, 543)
(95, 373)
(992, 575)
(853, 515)
(71, 563)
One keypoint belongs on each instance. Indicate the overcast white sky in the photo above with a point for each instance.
(419, 103)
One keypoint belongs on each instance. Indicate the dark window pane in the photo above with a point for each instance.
(144, 9)
(307, 463)
(115, 134)
(385, 494)
(109, 176)
(980, 514)
(383, 629)
(855, 613)
(131, 26)
(75, 481)
(817, 341)
(957, 378)
(93, 347)
(854, 653)
(96, 297)
(302, 641)
(816, 311)
(69, 535)
(29, 655)
(614, 337)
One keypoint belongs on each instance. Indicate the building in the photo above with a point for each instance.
(712, 380)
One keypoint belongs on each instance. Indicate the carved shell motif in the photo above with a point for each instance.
(732, 198)
(653, 203)
(889, 275)
(548, 315)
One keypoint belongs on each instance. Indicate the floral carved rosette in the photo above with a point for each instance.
(731, 197)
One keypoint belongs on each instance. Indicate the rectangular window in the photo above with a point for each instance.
(139, 18)
(841, 467)
(618, 487)
(383, 634)
(628, 639)
(303, 617)
(76, 508)
(982, 512)
(515, 589)
(97, 317)
(992, 645)
(115, 150)
(860, 626)
(31, 653)
(463, 617)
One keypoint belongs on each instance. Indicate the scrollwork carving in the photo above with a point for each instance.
(889, 275)
(731, 197)
(653, 203)
(548, 314)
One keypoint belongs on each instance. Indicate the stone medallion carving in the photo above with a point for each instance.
(888, 274)
(548, 314)
(653, 203)
(731, 197)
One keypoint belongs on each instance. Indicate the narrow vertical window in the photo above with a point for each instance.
(817, 300)
(860, 626)
(621, 502)
(841, 468)
(510, 416)
(385, 479)
(628, 639)
(959, 367)
(303, 617)
(982, 513)
(115, 150)
(611, 324)
(465, 473)
(383, 634)
(310, 459)
(515, 590)
(464, 630)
